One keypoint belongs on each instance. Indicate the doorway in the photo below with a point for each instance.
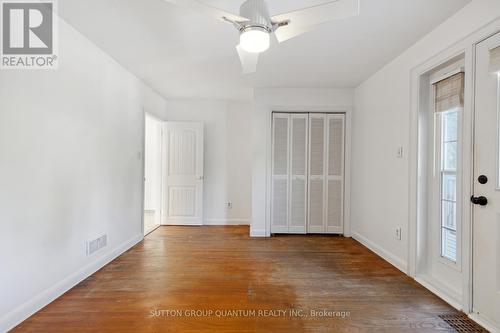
(152, 173)
(173, 173)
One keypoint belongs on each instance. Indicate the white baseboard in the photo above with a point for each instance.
(226, 222)
(441, 291)
(387, 256)
(24, 311)
(257, 232)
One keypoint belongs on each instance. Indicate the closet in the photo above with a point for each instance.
(307, 190)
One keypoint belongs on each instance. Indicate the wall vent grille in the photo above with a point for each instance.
(96, 244)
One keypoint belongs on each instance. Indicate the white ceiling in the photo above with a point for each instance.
(182, 54)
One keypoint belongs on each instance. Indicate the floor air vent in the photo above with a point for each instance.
(461, 323)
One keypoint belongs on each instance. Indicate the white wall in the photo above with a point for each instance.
(268, 100)
(71, 143)
(228, 156)
(381, 123)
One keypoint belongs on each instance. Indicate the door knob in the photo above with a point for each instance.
(481, 201)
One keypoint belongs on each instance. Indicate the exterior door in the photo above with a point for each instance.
(486, 211)
(183, 189)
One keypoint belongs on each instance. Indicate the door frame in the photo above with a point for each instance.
(467, 47)
(347, 163)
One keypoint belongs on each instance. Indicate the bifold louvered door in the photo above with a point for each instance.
(334, 174)
(307, 173)
(289, 173)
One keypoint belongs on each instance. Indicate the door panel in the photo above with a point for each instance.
(317, 153)
(326, 178)
(486, 219)
(280, 171)
(316, 206)
(298, 176)
(335, 206)
(335, 184)
(184, 176)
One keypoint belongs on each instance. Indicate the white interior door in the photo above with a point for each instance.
(317, 170)
(289, 173)
(335, 174)
(298, 174)
(486, 215)
(183, 189)
(280, 172)
(326, 173)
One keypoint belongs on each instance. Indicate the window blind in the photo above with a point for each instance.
(495, 60)
(449, 93)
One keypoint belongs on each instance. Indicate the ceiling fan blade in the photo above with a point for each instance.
(304, 20)
(214, 12)
(248, 60)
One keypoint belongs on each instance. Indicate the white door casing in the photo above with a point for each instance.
(183, 187)
(486, 219)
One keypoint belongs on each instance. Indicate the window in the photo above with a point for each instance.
(448, 181)
(495, 70)
(449, 94)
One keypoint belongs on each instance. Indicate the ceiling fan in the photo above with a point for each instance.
(256, 26)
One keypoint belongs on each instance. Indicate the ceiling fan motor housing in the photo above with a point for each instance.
(258, 14)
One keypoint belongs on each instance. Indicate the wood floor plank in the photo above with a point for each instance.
(221, 269)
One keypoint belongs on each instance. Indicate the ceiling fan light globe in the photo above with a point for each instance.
(255, 40)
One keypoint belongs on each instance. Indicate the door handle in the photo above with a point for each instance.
(481, 201)
(199, 178)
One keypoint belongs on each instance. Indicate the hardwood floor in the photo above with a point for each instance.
(221, 268)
